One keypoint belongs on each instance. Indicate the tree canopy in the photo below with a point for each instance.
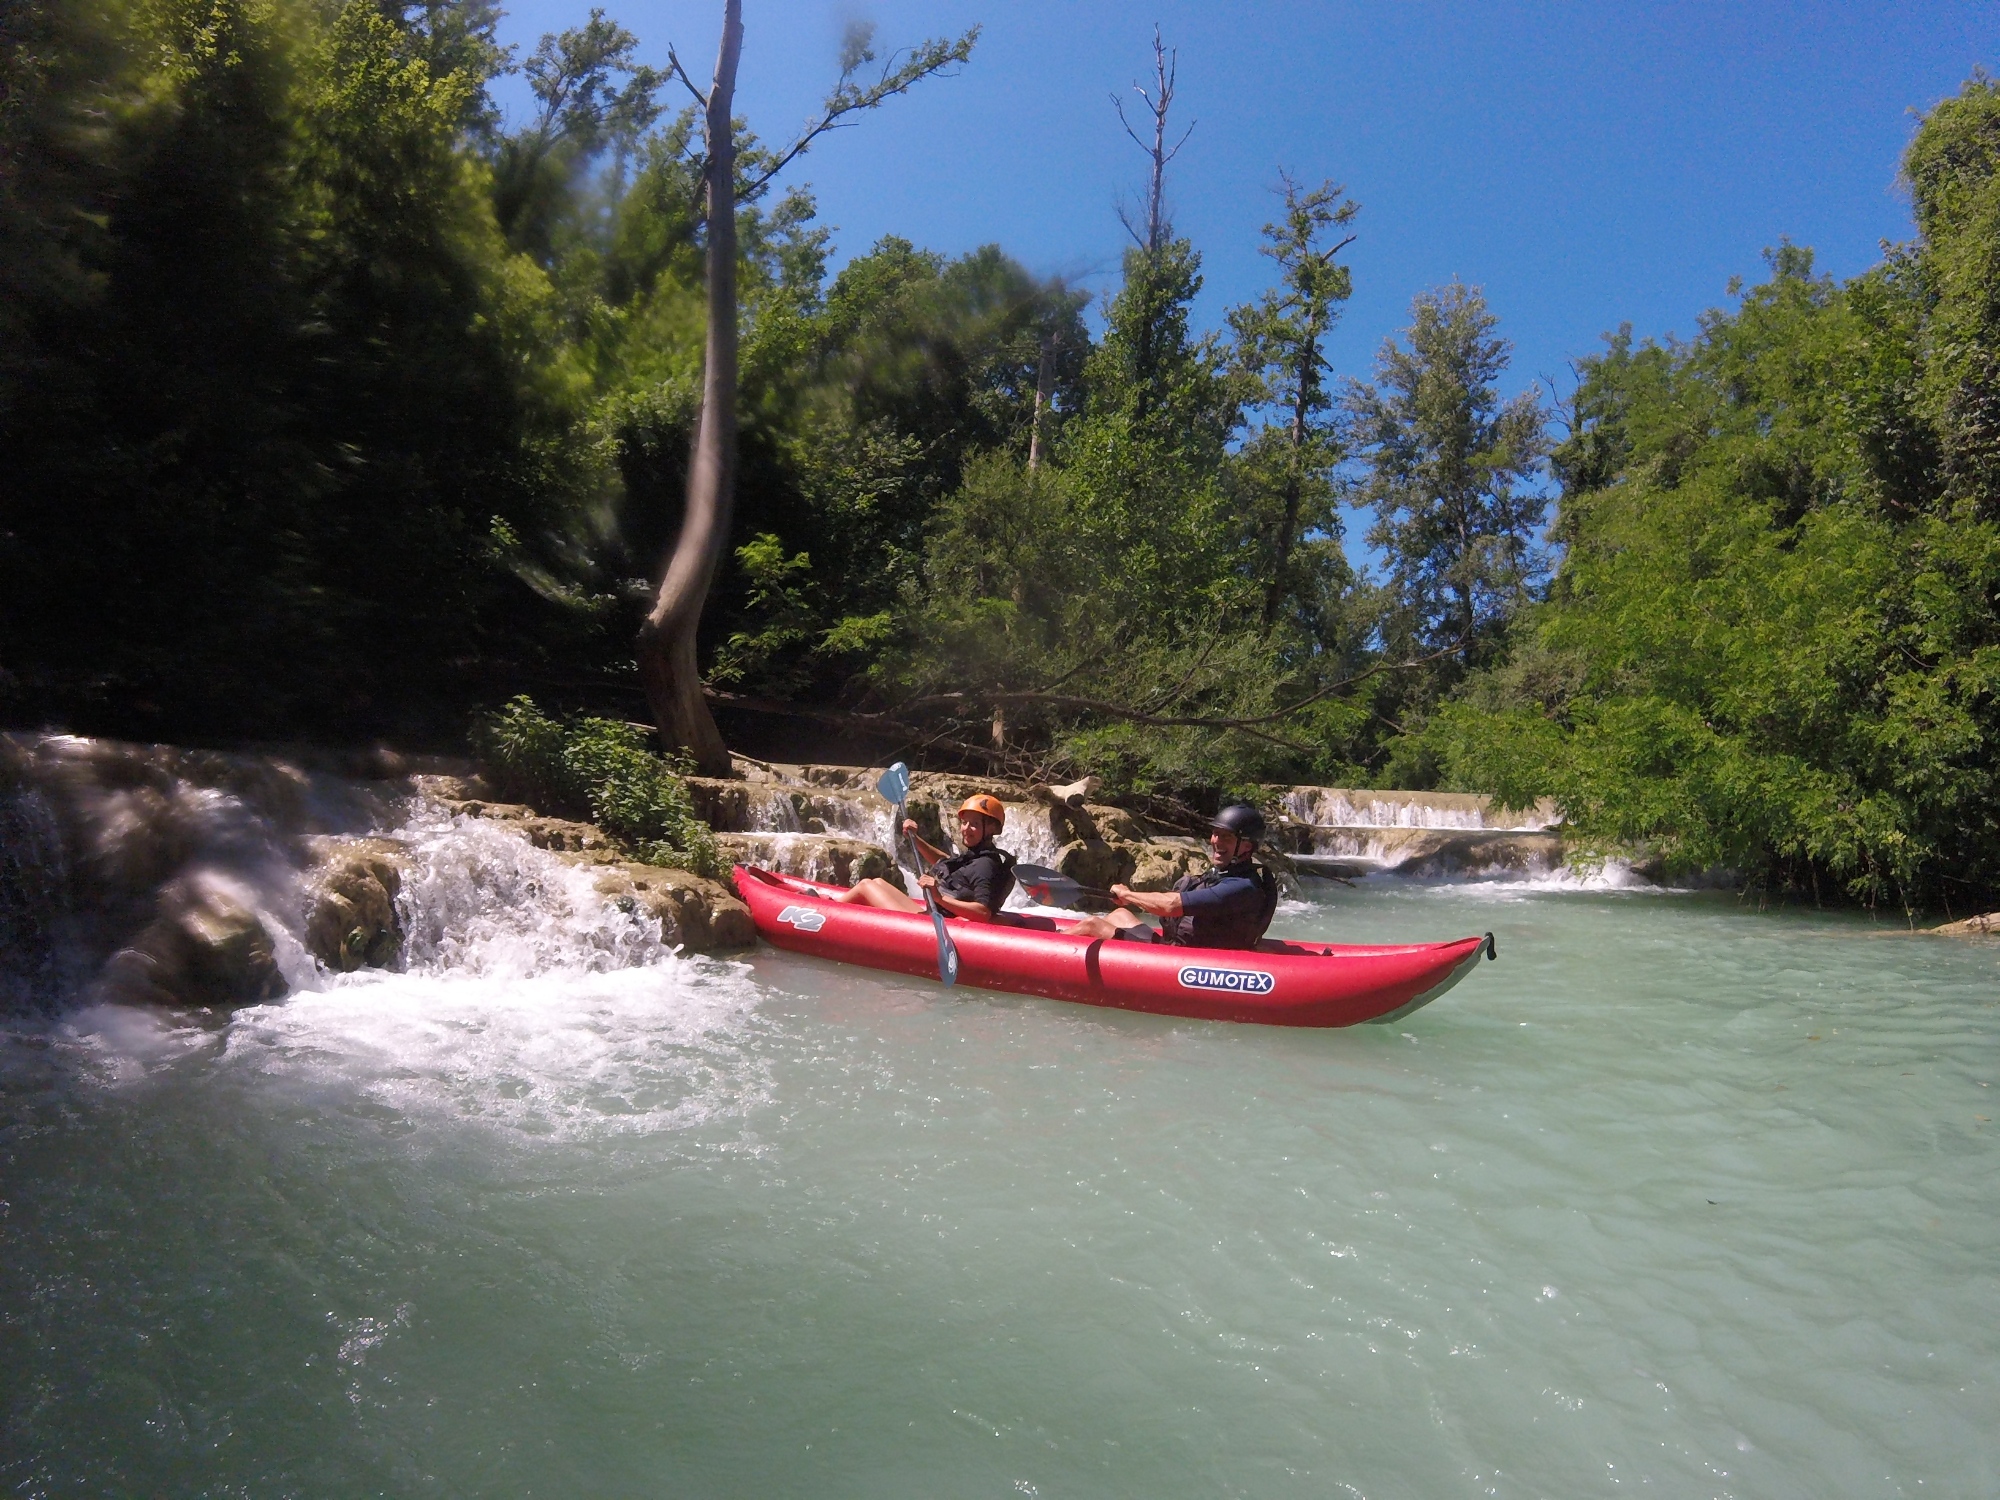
(332, 404)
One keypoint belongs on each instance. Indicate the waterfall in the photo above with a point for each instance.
(1028, 835)
(479, 899)
(35, 902)
(1341, 807)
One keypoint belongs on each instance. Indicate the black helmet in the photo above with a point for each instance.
(1241, 819)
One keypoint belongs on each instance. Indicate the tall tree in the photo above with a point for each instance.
(1281, 340)
(1953, 168)
(1447, 464)
(666, 647)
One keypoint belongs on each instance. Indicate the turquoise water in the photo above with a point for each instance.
(1676, 1197)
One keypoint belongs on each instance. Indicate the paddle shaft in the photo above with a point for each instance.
(1042, 875)
(894, 788)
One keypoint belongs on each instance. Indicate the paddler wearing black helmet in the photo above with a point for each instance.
(1228, 906)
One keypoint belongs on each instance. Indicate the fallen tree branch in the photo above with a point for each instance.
(1173, 721)
(879, 725)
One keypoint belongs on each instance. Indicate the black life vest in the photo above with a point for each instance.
(953, 878)
(1224, 929)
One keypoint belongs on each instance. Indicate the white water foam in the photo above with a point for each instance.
(1578, 878)
(1028, 837)
(527, 1003)
(1337, 807)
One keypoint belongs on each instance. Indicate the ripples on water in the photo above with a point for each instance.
(1676, 1196)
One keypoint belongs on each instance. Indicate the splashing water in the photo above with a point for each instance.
(526, 1001)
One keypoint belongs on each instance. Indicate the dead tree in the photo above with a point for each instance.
(668, 668)
(1159, 99)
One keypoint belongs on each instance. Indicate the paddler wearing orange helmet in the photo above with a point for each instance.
(972, 883)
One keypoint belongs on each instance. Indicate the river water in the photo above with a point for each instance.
(1678, 1197)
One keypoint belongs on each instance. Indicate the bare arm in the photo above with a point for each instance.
(958, 908)
(1154, 903)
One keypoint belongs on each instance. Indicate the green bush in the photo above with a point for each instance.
(598, 769)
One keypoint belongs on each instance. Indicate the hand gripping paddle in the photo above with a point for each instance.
(894, 788)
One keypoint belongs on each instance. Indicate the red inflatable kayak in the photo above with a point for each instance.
(1277, 983)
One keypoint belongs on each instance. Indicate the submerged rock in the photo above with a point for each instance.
(207, 947)
(351, 920)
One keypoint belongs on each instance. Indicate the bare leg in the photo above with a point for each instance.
(875, 891)
(1106, 926)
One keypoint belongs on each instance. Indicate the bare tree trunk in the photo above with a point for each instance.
(1274, 592)
(1045, 379)
(667, 666)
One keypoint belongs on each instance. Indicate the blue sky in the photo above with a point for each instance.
(1585, 164)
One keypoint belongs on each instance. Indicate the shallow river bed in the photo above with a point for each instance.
(1676, 1197)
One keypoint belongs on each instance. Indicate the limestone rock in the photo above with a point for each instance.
(1160, 862)
(698, 914)
(451, 790)
(1982, 926)
(351, 920)
(565, 836)
(207, 947)
(1071, 794)
(1095, 863)
(828, 857)
(1432, 852)
(1118, 822)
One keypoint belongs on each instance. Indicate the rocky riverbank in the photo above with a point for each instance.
(195, 878)
(160, 875)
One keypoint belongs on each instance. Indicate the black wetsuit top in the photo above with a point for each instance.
(1228, 907)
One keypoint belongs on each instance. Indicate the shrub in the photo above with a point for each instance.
(598, 769)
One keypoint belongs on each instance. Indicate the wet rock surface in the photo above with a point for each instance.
(351, 920)
(1987, 925)
(698, 914)
(836, 860)
(156, 872)
(207, 947)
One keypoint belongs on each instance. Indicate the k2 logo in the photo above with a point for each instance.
(803, 917)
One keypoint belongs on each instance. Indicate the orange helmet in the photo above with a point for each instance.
(985, 806)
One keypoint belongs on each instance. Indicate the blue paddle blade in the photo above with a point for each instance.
(947, 950)
(895, 784)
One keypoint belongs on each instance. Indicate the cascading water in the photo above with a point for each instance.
(524, 1001)
(1028, 836)
(1338, 807)
(478, 899)
(35, 903)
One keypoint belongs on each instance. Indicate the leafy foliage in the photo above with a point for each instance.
(599, 769)
(329, 405)
(1773, 644)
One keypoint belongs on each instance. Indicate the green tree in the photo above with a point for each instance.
(668, 638)
(1773, 644)
(1953, 168)
(1448, 464)
(1281, 341)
